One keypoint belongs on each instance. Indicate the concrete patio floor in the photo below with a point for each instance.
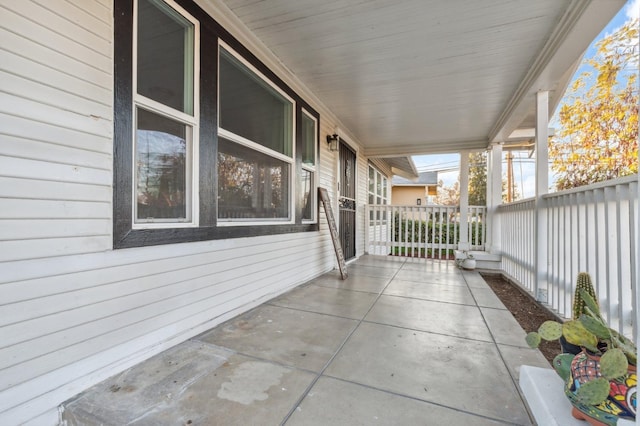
(400, 342)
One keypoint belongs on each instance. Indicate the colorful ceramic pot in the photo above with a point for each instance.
(621, 403)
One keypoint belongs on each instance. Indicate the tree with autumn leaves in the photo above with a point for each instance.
(598, 135)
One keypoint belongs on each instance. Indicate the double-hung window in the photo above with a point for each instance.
(255, 145)
(165, 114)
(209, 143)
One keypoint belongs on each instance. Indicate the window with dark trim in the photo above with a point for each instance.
(255, 147)
(165, 114)
(208, 142)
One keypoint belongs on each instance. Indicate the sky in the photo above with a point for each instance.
(447, 165)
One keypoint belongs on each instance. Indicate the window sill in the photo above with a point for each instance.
(161, 236)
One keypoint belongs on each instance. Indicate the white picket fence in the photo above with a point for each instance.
(591, 229)
(419, 231)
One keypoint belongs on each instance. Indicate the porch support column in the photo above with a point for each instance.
(463, 244)
(494, 198)
(542, 188)
(637, 318)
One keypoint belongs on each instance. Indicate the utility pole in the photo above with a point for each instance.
(509, 177)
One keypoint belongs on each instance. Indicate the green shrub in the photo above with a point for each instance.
(431, 231)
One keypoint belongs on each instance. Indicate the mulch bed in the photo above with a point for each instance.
(529, 313)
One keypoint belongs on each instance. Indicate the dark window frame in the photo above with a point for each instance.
(124, 235)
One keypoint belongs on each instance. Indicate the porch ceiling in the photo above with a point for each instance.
(418, 76)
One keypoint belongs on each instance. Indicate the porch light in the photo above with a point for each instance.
(332, 140)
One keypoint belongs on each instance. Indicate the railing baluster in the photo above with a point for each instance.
(413, 231)
(589, 229)
(621, 241)
(608, 248)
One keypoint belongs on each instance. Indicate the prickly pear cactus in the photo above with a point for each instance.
(576, 334)
(613, 364)
(550, 330)
(583, 283)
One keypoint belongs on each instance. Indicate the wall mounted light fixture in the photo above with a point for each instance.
(332, 140)
(419, 201)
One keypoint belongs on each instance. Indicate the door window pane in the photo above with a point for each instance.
(161, 174)
(165, 55)
(251, 184)
(251, 108)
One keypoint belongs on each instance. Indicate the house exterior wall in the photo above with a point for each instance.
(383, 167)
(407, 195)
(74, 311)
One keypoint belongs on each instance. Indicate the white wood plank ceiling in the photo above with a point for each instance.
(418, 76)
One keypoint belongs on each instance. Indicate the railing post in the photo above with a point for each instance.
(494, 198)
(463, 243)
(367, 227)
(542, 188)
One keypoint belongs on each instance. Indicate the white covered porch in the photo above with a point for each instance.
(424, 78)
(391, 79)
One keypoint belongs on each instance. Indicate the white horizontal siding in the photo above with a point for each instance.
(51, 228)
(56, 136)
(154, 277)
(47, 247)
(55, 97)
(72, 310)
(50, 209)
(327, 171)
(55, 129)
(328, 159)
(42, 26)
(11, 187)
(48, 170)
(104, 320)
(52, 333)
(55, 116)
(52, 80)
(87, 14)
(41, 54)
(28, 148)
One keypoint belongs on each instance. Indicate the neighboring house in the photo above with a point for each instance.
(407, 192)
(160, 160)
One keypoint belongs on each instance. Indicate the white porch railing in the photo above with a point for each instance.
(518, 242)
(588, 229)
(421, 231)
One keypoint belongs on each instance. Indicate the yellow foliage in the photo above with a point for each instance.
(598, 138)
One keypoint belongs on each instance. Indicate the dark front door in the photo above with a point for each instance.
(347, 200)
